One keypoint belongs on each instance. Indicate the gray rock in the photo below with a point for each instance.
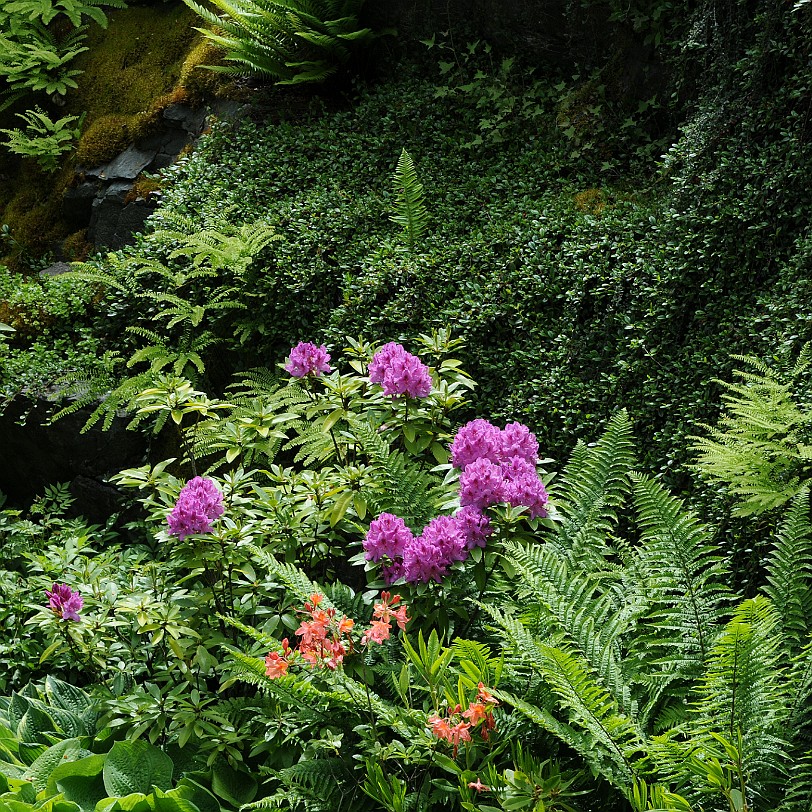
(186, 118)
(57, 269)
(38, 454)
(129, 165)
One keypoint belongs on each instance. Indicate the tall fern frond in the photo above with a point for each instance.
(595, 483)
(684, 577)
(575, 608)
(789, 573)
(615, 744)
(410, 207)
(742, 692)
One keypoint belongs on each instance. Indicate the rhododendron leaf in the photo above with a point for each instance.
(340, 508)
(332, 419)
(58, 643)
(360, 506)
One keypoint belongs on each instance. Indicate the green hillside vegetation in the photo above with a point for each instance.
(476, 391)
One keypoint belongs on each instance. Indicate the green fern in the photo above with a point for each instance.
(410, 207)
(742, 691)
(289, 42)
(789, 574)
(594, 485)
(762, 447)
(684, 577)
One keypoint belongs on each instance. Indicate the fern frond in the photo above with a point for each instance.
(742, 693)
(789, 573)
(410, 208)
(684, 577)
(616, 745)
(761, 448)
(595, 483)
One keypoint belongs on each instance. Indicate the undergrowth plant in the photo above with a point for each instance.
(44, 139)
(761, 449)
(642, 660)
(410, 206)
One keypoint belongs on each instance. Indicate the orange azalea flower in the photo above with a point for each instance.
(485, 696)
(377, 633)
(440, 727)
(345, 625)
(478, 786)
(476, 713)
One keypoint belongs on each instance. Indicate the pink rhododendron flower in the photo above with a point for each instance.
(308, 359)
(387, 537)
(64, 602)
(516, 440)
(474, 440)
(481, 484)
(199, 504)
(430, 555)
(528, 490)
(400, 372)
(475, 526)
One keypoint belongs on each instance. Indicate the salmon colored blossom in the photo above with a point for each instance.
(476, 713)
(440, 727)
(478, 786)
(377, 633)
(276, 665)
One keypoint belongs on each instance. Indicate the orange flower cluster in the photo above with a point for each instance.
(326, 639)
(456, 726)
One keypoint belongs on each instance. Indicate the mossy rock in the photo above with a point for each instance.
(105, 138)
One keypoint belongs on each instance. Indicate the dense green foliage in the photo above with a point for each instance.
(243, 642)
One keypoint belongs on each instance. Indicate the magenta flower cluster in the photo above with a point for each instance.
(399, 372)
(308, 359)
(429, 556)
(199, 504)
(497, 466)
(64, 602)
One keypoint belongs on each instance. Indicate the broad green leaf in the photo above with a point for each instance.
(136, 767)
(237, 788)
(80, 781)
(40, 771)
